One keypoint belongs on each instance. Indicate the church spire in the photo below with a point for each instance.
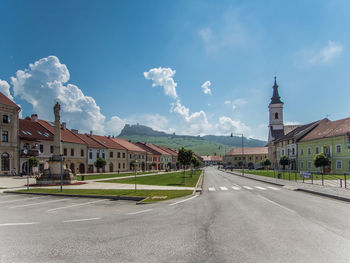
(275, 97)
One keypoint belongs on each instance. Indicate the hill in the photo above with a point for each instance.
(206, 145)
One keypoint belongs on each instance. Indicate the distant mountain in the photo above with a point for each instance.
(206, 145)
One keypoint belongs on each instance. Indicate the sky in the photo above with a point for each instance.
(189, 67)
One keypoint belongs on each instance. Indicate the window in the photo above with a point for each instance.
(103, 155)
(41, 148)
(130, 156)
(118, 165)
(293, 151)
(90, 155)
(5, 136)
(82, 152)
(308, 165)
(119, 155)
(72, 152)
(301, 151)
(282, 152)
(309, 151)
(276, 115)
(338, 148)
(301, 165)
(123, 155)
(111, 168)
(65, 151)
(51, 148)
(5, 118)
(110, 154)
(5, 162)
(97, 155)
(288, 152)
(339, 164)
(317, 150)
(123, 165)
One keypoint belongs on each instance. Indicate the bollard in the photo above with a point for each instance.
(312, 178)
(341, 183)
(344, 180)
(322, 179)
(83, 177)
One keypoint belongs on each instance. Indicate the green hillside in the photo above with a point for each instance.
(200, 146)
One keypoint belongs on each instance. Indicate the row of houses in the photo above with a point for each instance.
(31, 136)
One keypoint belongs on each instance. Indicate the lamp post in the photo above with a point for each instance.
(136, 161)
(61, 172)
(242, 150)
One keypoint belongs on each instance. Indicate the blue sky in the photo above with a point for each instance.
(95, 56)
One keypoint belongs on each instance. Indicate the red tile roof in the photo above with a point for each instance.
(5, 100)
(146, 148)
(89, 141)
(31, 130)
(248, 150)
(156, 148)
(168, 150)
(66, 134)
(107, 141)
(128, 145)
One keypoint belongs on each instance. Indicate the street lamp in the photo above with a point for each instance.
(136, 161)
(242, 150)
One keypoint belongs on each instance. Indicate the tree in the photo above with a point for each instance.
(33, 162)
(100, 163)
(153, 164)
(196, 162)
(284, 161)
(169, 165)
(266, 162)
(321, 160)
(184, 157)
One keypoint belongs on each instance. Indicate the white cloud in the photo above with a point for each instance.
(236, 103)
(45, 82)
(205, 86)
(163, 77)
(226, 125)
(5, 88)
(155, 121)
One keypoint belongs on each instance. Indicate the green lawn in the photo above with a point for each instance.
(102, 176)
(168, 179)
(291, 175)
(160, 195)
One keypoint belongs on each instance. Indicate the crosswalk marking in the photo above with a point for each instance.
(223, 188)
(259, 187)
(211, 189)
(248, 187)
(236, 188)
(273, 188)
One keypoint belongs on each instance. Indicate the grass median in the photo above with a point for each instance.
(103, 176)
(168, 179)
(153, 195)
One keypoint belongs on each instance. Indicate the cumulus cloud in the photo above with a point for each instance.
(155, 121)
(226, 125)
(163, 77)
(205, 86)
(236, 103)
(45, 82)
(5, 88)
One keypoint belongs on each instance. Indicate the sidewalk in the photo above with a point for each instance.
(327, 190)
(15, 181)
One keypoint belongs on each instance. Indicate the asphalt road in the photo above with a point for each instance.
(235, 220)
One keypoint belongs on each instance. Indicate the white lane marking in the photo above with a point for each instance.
(10, 201)
(51, 201)
(211, 188)
(188, 199)
(259, 187)
(19, 224)
(272, 202)
(248, 187)
(139, 212)
(273, 188)
(236, 188)
(69, 206)
(81, 220)
(223, 188)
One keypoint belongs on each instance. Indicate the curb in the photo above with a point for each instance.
(129, 198)
(199, 186)
(345, 199)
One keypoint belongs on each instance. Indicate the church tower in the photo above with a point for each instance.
(276, 127)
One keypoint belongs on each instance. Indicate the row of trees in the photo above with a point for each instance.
(320, 160)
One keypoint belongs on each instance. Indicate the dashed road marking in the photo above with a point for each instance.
(69, 206)
(22, 199)
(51, 201)
(248, 187)
(19, 224)
(223, 188)
(188, 199)
(211, 189)
(236, 188)
(273, 188)
(81, 220)
(273, 202)
(259, 187)
(139, 212)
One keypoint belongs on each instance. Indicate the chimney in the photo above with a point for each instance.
(64, 125)
(90, 132)
(75, 131)
(34, 117)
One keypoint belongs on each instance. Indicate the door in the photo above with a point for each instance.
(81, 168)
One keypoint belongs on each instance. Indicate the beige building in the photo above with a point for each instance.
(9, 145)
(249, 157)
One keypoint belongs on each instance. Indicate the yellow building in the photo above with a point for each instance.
(246, 157)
